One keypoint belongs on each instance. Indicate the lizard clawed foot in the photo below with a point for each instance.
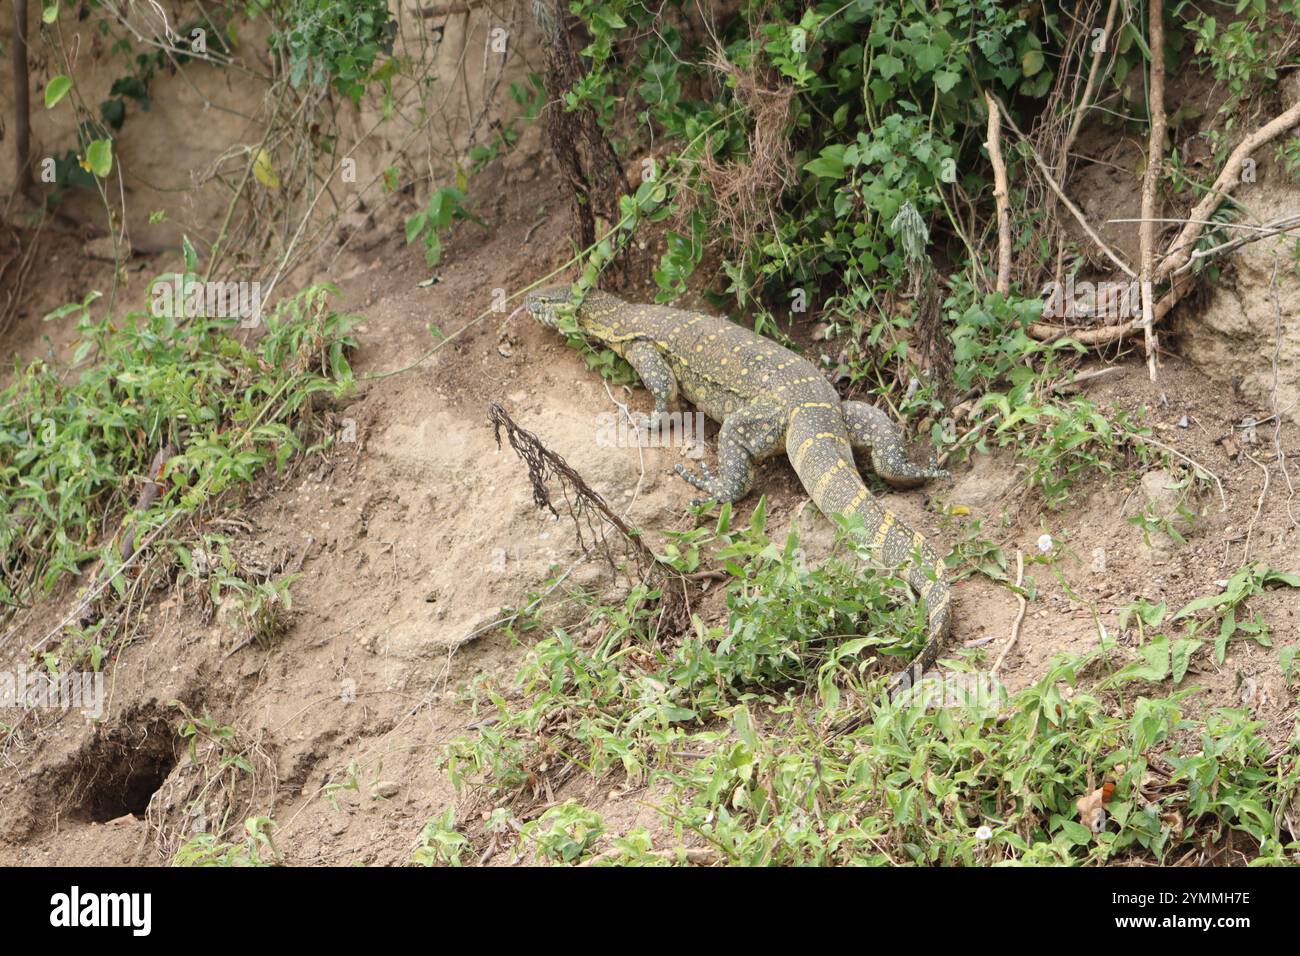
(933, 470)
(694, 479)
(704, 484)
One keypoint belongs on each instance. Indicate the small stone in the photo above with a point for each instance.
(385, 789)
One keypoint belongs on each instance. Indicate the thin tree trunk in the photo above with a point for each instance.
(22, 102)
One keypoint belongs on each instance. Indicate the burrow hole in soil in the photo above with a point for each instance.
(124, 768)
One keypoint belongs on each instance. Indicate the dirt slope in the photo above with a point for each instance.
(413, 538)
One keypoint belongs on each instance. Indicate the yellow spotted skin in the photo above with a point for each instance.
(768, 400)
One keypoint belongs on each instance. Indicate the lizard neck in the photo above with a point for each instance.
(602, 316)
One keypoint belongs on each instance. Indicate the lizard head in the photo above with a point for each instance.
(541, 303)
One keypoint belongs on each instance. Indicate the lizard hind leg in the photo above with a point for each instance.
(748, 434)
(656, 374)
(872, 430)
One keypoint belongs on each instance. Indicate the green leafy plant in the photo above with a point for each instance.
(1228, 607)
(564, 833)
(1064, 442)
(257, 848)
(445, 205)
(334, 41)
(441, 844)
(70, 444)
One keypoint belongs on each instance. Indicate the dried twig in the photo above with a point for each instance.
(1001, 194)
(1050, 179)
(1259, 504)
(590, 513)
(1274, 228)
(1020, 615)
(1083, 377)
(1151, 179)
(1081, 110)
(1223, 499)
(543, 465)
(153, 487)
(1105, 335)
(86, 613)
(22, 101)
(446, 9)
(1277, 425)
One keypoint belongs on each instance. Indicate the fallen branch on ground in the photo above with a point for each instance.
(1020, 614)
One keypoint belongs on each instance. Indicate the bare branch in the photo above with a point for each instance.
(1001, 194)
(1050, 178)
(22, 99)
(1151, 179)
(1180, 251)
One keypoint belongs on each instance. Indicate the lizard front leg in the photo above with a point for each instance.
(872, 430)
(752, 432)
(656, 375)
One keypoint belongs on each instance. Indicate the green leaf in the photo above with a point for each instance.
(888, 66)
(1181, 656)
(1282, 577)
(1226, 630)
(415, 225)
(1076, 833)
(57, 89)
(829, 165)
(1200, 604)
(191, 257)
(1154, 665)
(945, 80)
(99, 157)
(1031, 62)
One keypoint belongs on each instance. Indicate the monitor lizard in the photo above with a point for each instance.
(768, 400)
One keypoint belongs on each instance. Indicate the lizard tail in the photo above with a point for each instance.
(818, 446)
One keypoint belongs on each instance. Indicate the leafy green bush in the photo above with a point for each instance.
(884, 108)
(728, 724)
(336, 41)
(72, 444)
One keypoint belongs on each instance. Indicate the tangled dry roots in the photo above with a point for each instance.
(744, 191)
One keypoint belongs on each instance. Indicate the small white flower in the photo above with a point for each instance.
(984, 833)
(1044, 542)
